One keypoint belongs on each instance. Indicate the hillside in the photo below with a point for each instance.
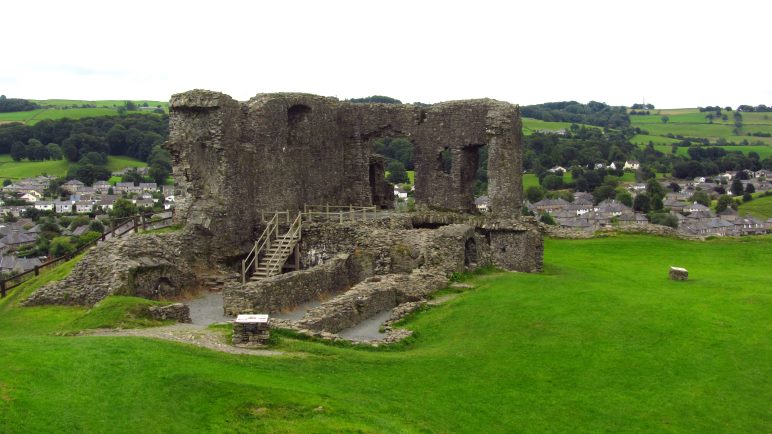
(12, 170)
(566, 350)
(690, 122)
(76, 109)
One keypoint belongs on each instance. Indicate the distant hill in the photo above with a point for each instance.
(665, 127)
(78, 109)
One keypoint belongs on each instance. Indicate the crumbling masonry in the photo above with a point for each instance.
(235, 161)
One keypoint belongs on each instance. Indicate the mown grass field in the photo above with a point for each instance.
(54, 109)
(10, 169)
(601, 341)
(760, 207)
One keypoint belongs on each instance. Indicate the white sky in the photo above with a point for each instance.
(673, 53)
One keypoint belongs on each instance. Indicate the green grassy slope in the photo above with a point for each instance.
(601, 341)
(692, 123)
(54, 109)
(10, 169)
(760, 207)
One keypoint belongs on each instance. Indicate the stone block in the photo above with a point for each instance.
(177, 311)
(677, 273)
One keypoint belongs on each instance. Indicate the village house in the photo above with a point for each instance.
(557, 169)
(29, 197)
(101, 186)
(63, 206)
(17, 239)
(749, 226)
(148, 186)
(695, 207)
(550, 205)
(44, 205)
(632, 165)
(83, 206)
(13, 264)
(72, 186)
(482, 203)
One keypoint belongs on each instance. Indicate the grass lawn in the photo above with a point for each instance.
(760, 207)
(10, 169)
(601, 341)
(530, 179)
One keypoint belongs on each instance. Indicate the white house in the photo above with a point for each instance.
(632, 165)
(400, 192)
(728, 176)
(482, 203)
(557, 169)
(63, 206)
(44, 205)
(612, 166)
(695, 207)
(29, 197)
(83, 206)
(699, 179)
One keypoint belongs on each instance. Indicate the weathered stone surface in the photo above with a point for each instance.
(281, 151)
(150, 266)
(677, 273)
(176, 311)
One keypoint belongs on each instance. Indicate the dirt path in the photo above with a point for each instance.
(188, 334)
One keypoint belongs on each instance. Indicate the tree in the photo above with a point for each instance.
(603, 192)
(747, 197)
(397, 172)
(130, 105)
(674, 187)
(724, 201)
(737, 187)
(546, 218)
(534, 193)
(624, 198)
(664, 219)
(123, 208)
(749, 188)
(36, 151)
(18, 151)
(70, 151)
(552, 182)
(54, 151)
(665, 119)
(60, 246)
(642, 203)
(654, 187)
(700, 197)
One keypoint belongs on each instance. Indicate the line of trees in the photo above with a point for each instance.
(593, 113)
(16, 105)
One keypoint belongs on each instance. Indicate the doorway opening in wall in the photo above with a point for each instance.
(398, 154)
(479, 180)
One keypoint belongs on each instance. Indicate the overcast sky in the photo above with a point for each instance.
(672, 53)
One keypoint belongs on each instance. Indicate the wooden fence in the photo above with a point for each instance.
(117, 229)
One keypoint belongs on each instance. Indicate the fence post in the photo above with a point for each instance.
(2, 288)
(136, 225)
(112, 226)
(37, 270)
(288, 221)
(243, 272)
(144, 224)
(340, 214)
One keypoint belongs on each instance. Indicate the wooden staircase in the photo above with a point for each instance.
(271, 250)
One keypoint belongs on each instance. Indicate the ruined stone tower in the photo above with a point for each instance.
(281, 151)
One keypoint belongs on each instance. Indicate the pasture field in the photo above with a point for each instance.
(763, 151)
(692, 123)
(34, 116)
(98, 103)
(567, 350)
(644, 139)
(760, 207)
(531, 126)
(10, 169)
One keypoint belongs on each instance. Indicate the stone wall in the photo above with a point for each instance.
(150, 266)
(281, 151)
(285, 291)
(370, 297)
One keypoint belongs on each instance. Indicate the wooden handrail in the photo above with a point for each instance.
(5, 287)
(294, 230)
(264, 241)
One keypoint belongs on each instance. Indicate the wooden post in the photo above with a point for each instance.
(327, 212)
(144, 223)
(37, 270)
(297, 256)
(243, 272)
(288, 221)
(340, 214)
(262, 216)
(112, 228)
(136, 224)
(2, 288)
